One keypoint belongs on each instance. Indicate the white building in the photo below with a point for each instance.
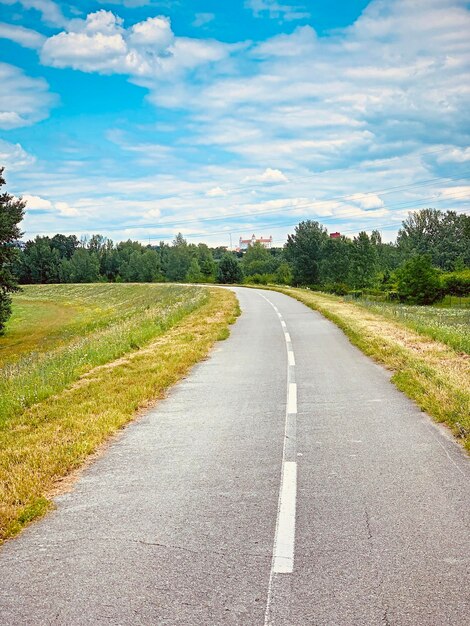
(244, 243)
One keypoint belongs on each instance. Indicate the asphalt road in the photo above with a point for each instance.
(285, 481)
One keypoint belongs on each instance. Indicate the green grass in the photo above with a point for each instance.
(70, 379)
(59, 332)
(449, 325)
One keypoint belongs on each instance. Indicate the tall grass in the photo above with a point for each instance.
(116, 319)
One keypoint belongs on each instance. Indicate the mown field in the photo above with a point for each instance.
(449, 325)
(425, 347)
(77, 362)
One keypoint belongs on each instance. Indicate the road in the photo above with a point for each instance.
(286, 481)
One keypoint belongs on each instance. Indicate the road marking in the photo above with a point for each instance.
(283, 561)
(284, 536)
(292, 399)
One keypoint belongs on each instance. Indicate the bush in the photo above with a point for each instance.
(356, 293)
(457, 283)
(418, 282)
(259, 279)
(230, 270)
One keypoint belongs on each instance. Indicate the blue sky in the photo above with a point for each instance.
(141, 118)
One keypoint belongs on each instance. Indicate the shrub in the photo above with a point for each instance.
(418, 282)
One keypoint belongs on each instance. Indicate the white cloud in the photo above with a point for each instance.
(146, 50)
(275, 10)
(50, 11)
(66, 210)
(201, 19)
(268, 176)
(24, 36)
(454, 155)
(25, 101)
(37, 203)
(461, 192)
(216, 192)
(367, 200)
(14, 157)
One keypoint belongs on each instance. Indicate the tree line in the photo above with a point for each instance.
(430, 242)
(430, 257)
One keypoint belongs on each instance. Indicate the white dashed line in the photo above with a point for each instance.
(292, 399)
(284, 538)
(283, 561)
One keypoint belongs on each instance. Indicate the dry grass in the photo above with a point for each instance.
(434, 375)
(52, 438)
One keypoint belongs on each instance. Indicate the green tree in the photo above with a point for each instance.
(363, 263)
(230, 270)
(258, 260)
(283, 275)
(335, 261)
(444, 236)
(206, 263)
(40, 262)
(179, 259)
(11, 214)
(418, 281)
(84, 266)
(65, 245)
(194, 274)
(304, 251)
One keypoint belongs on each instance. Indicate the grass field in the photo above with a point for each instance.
(449, 325)
(435, 374)
(77, 362)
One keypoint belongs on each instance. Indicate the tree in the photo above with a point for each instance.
(257, 260)
(363, 266)
(84, 267)
(304, 251)
(230, 270)
(41, 262)
(11, 214)
(65, 245)
(444, 236)
(335, 261)
(283, 275)
(179, 259)
(194, 274)
(418, 281)
(206, 263)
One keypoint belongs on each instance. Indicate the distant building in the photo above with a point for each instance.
(335, 235)
(244, 243)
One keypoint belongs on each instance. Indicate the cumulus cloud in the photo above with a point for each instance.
(268, 176)
(26, 100)
(146, 50)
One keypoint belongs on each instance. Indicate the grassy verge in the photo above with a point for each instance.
(59, 332)
(48, 439)
(451, 326)
(431, 373)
